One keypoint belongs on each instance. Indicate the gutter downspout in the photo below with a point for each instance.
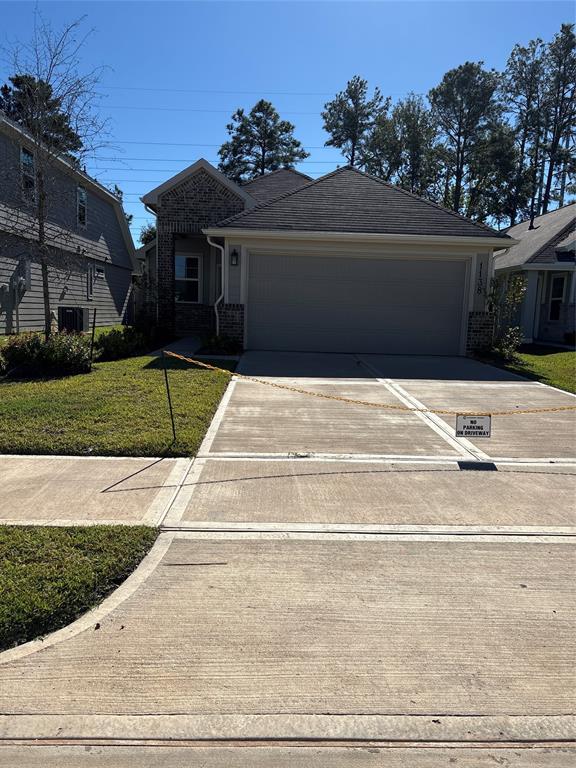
(221, 296)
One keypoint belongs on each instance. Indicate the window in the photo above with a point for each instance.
(28, 170)
(82, 206)
(556, 297)
(90, 278)
(187, 282)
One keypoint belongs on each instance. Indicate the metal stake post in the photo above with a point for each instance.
(168, 394)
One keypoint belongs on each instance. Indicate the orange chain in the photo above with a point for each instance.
(366, 403)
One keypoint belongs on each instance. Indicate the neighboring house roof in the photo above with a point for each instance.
(350, 201)
(552, 231)
(271, 185)
(151, 198)
(16, 131)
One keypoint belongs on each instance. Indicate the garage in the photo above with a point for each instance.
(355, 303)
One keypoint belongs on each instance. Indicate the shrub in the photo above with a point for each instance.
(504, 301)
(30, 354)
(120, 343)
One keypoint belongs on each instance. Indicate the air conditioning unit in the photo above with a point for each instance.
(73, 318)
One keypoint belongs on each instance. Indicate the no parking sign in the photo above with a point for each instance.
(473, 426)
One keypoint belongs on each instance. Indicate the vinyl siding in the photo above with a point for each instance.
(68, 288)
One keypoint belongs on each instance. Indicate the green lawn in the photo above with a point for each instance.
(549, 365)
(49, 576)
(119, 409)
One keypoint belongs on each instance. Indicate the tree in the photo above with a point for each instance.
(463, 103)
(53, 104)
(147, 234)
(259, 142)
(491, 192)
(350, 117)
(522, 89)
(403, 148)
(117, 192)
(561, 103)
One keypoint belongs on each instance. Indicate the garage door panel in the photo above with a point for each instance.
(355, 304)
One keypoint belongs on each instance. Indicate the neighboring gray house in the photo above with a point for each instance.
(545, 255)
(345, 263)
(90, 244)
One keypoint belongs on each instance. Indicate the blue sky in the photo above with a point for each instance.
(177, 70)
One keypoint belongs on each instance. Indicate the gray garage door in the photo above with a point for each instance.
(341, 304)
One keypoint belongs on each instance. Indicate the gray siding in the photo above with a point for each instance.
(102, 237)
(102, 242)
(68, 288)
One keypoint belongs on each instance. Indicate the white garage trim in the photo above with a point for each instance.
(360, 237)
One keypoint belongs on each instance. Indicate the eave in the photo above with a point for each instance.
(365, 237)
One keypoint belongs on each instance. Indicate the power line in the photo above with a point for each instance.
(121, 159)
(174, 170)
(235, 93)
(180, 144)
(192, 109)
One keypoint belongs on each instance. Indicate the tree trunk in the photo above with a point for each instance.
(353, 153)
(564, 173)
(43, 249)
(458, 181)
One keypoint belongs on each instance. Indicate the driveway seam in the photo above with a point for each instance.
(463, 446)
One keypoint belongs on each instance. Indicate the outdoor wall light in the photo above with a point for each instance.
(234, 258)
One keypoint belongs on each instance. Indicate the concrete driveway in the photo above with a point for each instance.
(274, 456)
(330, 578)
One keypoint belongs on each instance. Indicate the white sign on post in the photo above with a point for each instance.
(473, 426)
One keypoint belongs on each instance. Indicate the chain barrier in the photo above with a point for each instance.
(366, 403)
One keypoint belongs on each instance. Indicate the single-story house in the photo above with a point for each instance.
(343, 263)
(545, 255)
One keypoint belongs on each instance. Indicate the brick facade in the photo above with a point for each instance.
(194, 319)
(200, 201)
(480, 328)
(232, 321)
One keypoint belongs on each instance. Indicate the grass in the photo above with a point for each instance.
(549, 365)
(119, 409)
(49, 576)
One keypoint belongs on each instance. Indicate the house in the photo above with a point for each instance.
(545, 255)
(91, 249)
(343, 263)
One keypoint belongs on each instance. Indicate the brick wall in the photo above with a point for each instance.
(232, 321)
(198, 202)
(480, 327)
(194, 319)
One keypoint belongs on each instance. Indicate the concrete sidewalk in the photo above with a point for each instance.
(72, 490)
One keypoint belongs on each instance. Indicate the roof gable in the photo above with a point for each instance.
(151, 198)
(538, 245)
(271, 185)
(350, 201)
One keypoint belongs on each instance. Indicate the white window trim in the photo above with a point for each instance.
(561, 300)
(199, 280)
(27, 197)
(78, 222)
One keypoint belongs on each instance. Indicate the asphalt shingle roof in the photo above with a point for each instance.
(272, 185)
(348, 200)
(538, 245)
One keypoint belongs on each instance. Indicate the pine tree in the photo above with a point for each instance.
(259, 142)
(350, 117)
